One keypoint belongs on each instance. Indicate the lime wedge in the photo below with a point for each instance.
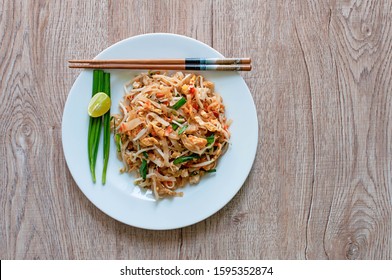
(99, 104)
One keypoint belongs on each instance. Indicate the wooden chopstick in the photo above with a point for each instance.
(210, 64)
(202, 67)
(208, 61)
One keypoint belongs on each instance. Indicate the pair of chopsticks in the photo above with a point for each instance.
(209, 64)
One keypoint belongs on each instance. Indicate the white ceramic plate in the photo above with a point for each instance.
(120, 198)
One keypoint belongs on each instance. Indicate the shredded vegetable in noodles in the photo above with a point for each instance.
(171, 130)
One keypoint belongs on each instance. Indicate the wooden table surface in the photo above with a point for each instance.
(321, 183)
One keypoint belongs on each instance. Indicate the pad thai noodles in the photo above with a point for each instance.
(171, 130)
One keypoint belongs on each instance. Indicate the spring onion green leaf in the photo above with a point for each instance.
(106, 130)
(143, 169)
(151, 73)
(185, 158)
(179, 103)
(118, 142)
(182, 129)
(90, 126)
(145, 154)
(94, 130)
(174, 126)
(210, 139)
(211, 170)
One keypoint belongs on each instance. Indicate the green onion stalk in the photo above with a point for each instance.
(94, 128)
(106, 129)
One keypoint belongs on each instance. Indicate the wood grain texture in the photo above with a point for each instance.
(321, 184)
